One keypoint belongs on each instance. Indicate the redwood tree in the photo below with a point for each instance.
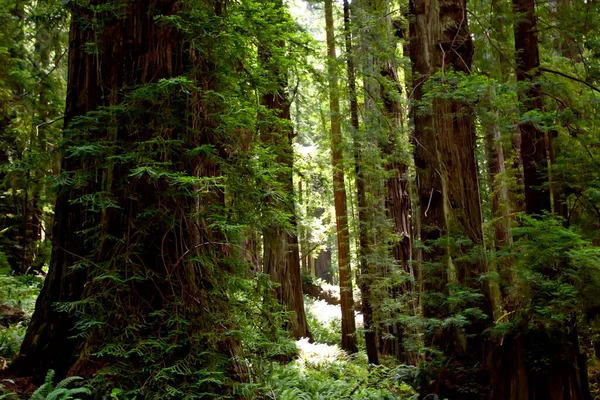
(281, 249)
(366, 269)
(339, 190)
(533, 147)
(447, 181)
(138, 261)
(514, 372)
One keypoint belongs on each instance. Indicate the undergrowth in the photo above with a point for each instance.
(17, 295)
(326, 372)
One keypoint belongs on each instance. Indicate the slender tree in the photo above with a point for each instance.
(366, 270)
(339, 189)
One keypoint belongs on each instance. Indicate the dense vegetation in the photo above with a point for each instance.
(299, 200)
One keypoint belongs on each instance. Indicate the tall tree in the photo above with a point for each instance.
(447, 175)
(533, 147)
(281, 250)
(366, 270)
(513, 373)
(136, 248)
(339, 189)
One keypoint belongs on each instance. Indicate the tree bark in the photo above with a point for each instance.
(366, 270)
(447, 181)
(281, 247)
(533, 148)
(339, 191)
(155, 255)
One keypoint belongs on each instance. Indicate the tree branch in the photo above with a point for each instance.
(573, 78)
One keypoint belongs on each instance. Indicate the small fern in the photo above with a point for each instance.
(48, 391)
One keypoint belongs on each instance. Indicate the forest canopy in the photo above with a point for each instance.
(307, 199)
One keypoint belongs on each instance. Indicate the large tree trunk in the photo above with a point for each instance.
(339, 191)
(152, 254)
(447, 180)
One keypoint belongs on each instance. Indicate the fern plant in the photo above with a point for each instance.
(48, 391)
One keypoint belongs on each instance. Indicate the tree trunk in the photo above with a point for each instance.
(148, 267)
(501, 203)
(447, 181)
(339, 191)
(49, 342)
(514, 373)
(322, 263)
(397, 200)
(533, 148)
(366, 270)
(281, 248)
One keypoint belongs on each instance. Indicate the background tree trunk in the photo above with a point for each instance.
(366, 270)
(281, 247)
(339, 191)
(533, 148)
(514, 374)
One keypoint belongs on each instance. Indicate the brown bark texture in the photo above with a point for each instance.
(153, 256)
(339, 191)
(533, 148)
(448, 189)
(281, 248)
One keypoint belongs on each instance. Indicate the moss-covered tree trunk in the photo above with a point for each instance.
(135, 244)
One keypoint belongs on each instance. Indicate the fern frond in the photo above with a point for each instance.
(65, 382)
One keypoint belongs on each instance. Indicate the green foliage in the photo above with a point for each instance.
(19, 294)
(11, 338)
(339, 377)
(20, 291)
(327, 330)
(32, 81)
(60, 391)
(558, 272)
